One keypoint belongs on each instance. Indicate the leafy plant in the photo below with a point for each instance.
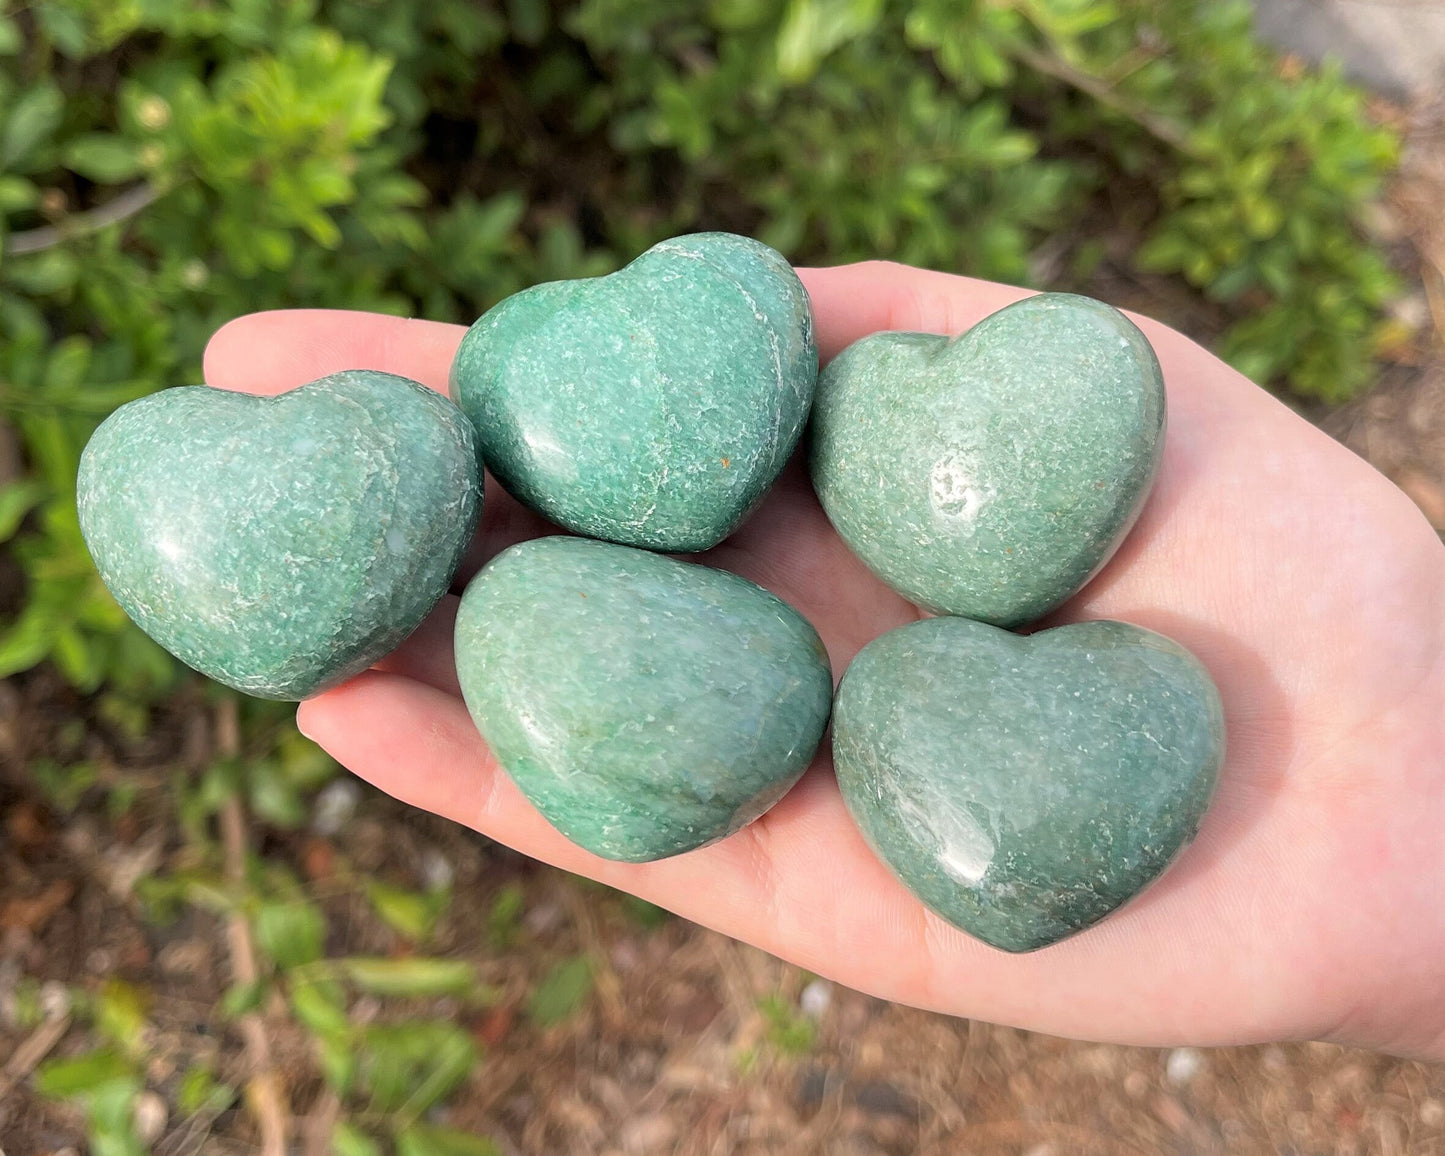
(788, 1030)
(106, 1086)
(428, 1140)
(106, 1082)
(412, 914)
(561, 992)
(200, 1091)
(388, 1074)
(504, 917)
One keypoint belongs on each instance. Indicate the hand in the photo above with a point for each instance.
(1310, 906)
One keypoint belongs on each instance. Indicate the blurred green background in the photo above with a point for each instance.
(166, 166)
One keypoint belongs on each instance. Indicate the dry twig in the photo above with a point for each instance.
(122, 208)
(1156, 126)
(28, 1055)
(321, 1124)
(263, 1089)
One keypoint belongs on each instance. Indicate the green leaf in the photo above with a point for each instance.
(27, 640)
(426, 1140)
(413, 914)
(11, 41)
(51, 273)
(739, 15)
(529, 20)
(349, 1140)
(199, 1091)
(291, 932)
(814, 28)
(17, 193)
(410, 977)
(103, 157)
(34, 117)
(111, 1108)
(16, 500)
(120, 1013)
(78, 659)
(67, 364)
(788, 1029)
(60, 1079)
(410, 1068)
(505, 914)
(241, 998)
(338, 1060)
(644, 914)
(320, 1005)
(562, 991)
(64, 26)
(273, 797)
(306, 765)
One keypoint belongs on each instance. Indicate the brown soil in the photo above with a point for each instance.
(675, 1051)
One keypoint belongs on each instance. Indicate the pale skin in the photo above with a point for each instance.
(1312, 905)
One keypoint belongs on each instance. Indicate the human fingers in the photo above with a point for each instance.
(426, 655)
(280, 349)
(788, 547)
(802, 884)
(276, 350)
(852, 301)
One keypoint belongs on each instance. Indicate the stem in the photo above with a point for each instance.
(322, 1124)
(1156, 126)
(28, 1055)
(122, 208)
(263, 1090)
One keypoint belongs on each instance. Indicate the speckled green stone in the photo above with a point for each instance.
(1025, 787)
(993, 474)
(281, 545)
(652, 407)
(645, 706)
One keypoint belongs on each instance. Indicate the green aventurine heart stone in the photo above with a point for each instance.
(991, 475)
(1025, 787)
(281, 545)
(645, 706)
(651, 407)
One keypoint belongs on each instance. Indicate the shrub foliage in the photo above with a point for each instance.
(164, 167)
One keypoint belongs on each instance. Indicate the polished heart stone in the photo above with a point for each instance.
(281, 545)
(1025, 787)
(645, 706)
(991, 475)
(652, 407)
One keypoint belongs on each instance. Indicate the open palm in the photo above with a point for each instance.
(1311, 903)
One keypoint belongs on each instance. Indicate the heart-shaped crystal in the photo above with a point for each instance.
(654, 406)
(645, 706)
(1025, 786)
(993, 474)
(281, 544)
